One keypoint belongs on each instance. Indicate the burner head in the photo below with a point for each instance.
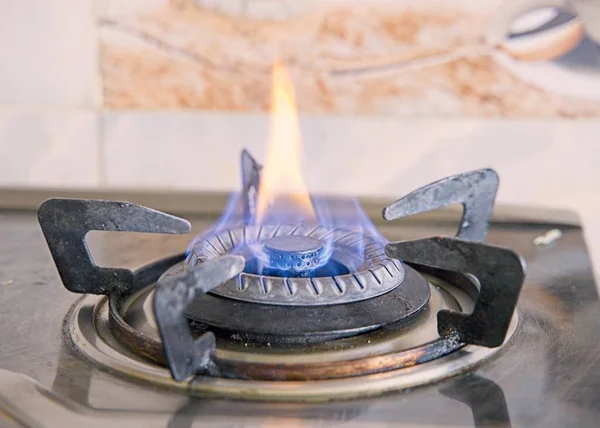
(293, 256)
(330, 282)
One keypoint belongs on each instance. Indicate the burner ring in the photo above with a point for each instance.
(377, 274)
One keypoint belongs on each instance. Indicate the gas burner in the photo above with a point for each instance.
(292, 311)
(317, 284)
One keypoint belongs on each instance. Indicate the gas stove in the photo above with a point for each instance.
(277, 317)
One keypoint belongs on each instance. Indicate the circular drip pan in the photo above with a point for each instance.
(304, 324)
(367, 364)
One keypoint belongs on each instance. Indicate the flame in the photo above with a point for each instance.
(282, 198)
(281, 178)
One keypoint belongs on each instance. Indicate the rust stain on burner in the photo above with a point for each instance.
(339, 370)
(151, 350)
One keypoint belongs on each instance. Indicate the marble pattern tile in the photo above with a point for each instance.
(49, 54)
(48, 149)
(386, 57)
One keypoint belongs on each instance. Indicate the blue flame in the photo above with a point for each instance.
(233, 215)
(346, 213)
(331, 212)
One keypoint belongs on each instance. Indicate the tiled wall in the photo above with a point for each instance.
(49, 94)
(86, 101)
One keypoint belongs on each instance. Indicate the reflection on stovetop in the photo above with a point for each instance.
(483, 397)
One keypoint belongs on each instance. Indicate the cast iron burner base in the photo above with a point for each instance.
(289, 324)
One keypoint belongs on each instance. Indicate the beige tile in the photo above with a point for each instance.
(49, 53)
(48, 149)
(178, 150)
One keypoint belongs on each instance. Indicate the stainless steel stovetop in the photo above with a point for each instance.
(547, 374)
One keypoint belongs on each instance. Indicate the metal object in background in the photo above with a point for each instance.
(173, 294)
(499, 271)
(32, 404)
(475, 190)
(65, 222)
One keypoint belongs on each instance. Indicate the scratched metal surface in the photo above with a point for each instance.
(549, 376)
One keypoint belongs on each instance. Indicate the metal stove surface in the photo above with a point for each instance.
(549, 375)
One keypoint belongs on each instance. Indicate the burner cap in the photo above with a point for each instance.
(329, 282)
(293, 255)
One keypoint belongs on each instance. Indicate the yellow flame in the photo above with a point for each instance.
(281, 176)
